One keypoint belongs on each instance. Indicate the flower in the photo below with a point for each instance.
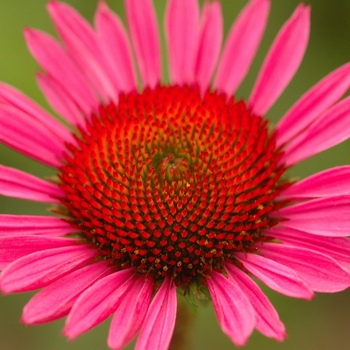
(172, 188)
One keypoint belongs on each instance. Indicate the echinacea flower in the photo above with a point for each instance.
(172, 189)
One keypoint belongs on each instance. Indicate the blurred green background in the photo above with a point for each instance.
(321, 324)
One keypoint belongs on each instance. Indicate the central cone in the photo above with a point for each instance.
(170, 182)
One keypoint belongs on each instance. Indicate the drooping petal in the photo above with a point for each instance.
(233, 309)
(114, 43)
(59, 65)
(241, 45)
(28, 136)
(60, 100)
(315, 101)
(282, 61)
(56, 300)
(325, 217)
(332, 128)
(12, 97)
(321, 272)
(98, 302)
(41, 268)
(209, 44)
(182, 33)
(327, 183)
(19, 184)
(278, 277)
(82, 44)
(267, 320)
(15, 247)
(19, 225)
(336, 247)
(128, 318)
(143, 29)
(159, 323)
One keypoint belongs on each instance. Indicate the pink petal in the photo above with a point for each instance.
(12, 97)
(282, 61)
(319, 271)
(42, 268)
(83, 47)
(241, 45)
(56, 300)
(19, 184)
(128, 318)
(233, 310)
(143, 28)
(267, 320)
(336, 247)
(325, 217)
(28, 136)
(15, 247)
(19, 225)
(60, 100)
(327, 183)
(182, 33)
(278, 277)
(116, 47)
(320, 97)
(331, 128)
(159, 324)
(58, 64)
(209, 44)
(98, 302)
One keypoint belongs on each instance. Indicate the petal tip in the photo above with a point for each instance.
(5, 290)
(281, 336)
(27, 319)
(51, 4)
(69, 334)
(102, 7)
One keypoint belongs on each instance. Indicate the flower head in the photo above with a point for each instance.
(180, 187)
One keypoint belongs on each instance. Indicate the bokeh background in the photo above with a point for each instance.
(321, 324)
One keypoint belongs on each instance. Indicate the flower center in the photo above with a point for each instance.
(170, 182)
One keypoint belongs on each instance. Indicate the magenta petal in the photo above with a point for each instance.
(98, 302)
(41, 268)
(330, 129)
(233, 310)
(209, 44)
(57, 298)
(241, 45)
(116, 47)
(19, 225)
(143, 29)
(336, 247)
(83, 47)
(19, 184)
(182, 33)
(129, 316)
(58, 64)
(267, 320)
(320, 97)
(15, 247)
(319, 271)
(328, 183)
(12, 97)
(282, 61)
(278, 277)
(159, 324)
(325, 217)
(60, 100)
(29, 136)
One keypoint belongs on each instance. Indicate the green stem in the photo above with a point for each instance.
(184, 328)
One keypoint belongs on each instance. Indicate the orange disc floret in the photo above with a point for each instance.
(170, 182)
